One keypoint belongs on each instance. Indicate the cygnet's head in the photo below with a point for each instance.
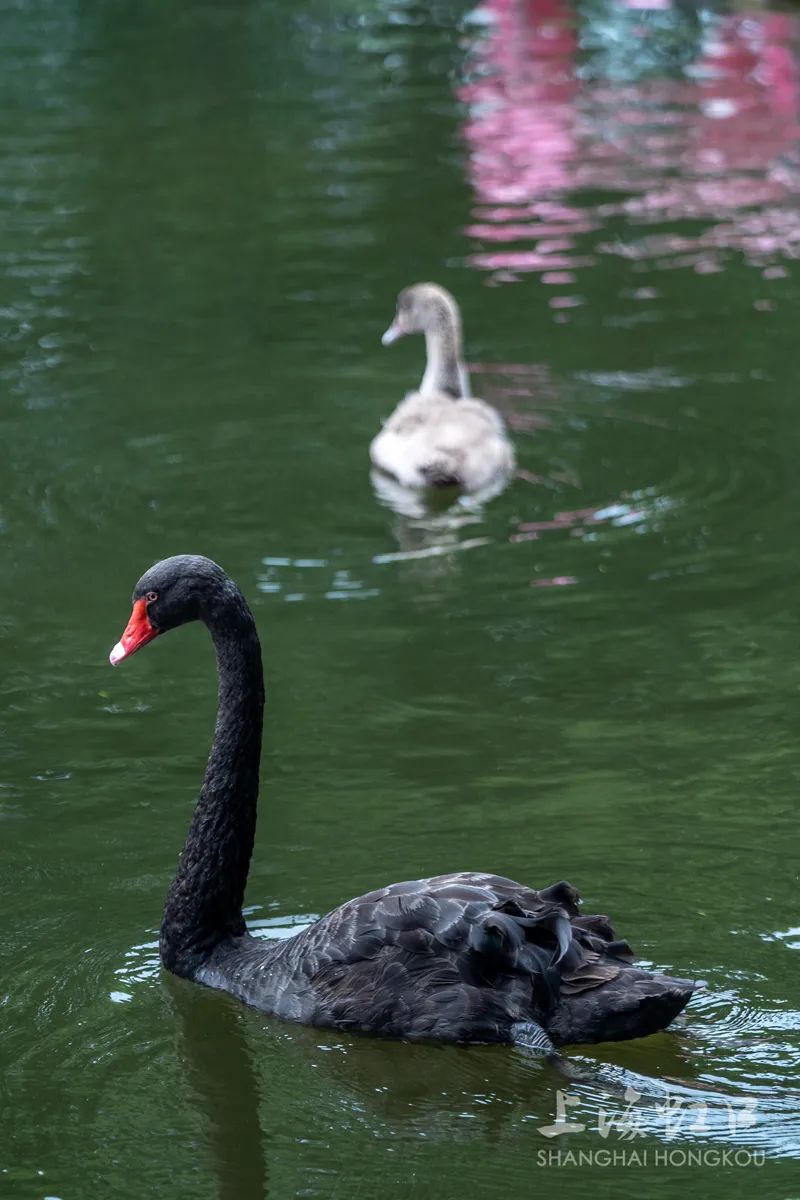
(423, 308)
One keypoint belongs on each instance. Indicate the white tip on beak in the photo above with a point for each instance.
(391, 335)
(117, 654)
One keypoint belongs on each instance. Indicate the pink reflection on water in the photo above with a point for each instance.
(717, 144)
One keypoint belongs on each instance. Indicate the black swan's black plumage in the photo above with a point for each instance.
(469, 957)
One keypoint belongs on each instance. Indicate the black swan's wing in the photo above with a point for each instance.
(454, 958)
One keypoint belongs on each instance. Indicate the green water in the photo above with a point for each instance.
(207, 211)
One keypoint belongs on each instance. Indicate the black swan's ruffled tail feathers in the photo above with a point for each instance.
(583, 986)
(508, 935)
(512, 939)
(567, 896)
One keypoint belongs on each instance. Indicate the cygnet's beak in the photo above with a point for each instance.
(392, 334)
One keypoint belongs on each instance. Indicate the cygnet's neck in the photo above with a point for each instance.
(446, 372)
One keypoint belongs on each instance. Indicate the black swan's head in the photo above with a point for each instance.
(186, 587)
(422, 308)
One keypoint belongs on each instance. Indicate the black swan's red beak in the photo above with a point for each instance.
(138, 632)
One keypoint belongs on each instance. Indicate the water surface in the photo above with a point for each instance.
(208, 210)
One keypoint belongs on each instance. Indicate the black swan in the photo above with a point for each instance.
(470, 957)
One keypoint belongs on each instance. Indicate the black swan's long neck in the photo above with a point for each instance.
(204, 903)
(445, 372)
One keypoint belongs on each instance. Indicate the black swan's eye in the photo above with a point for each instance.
(151, 596)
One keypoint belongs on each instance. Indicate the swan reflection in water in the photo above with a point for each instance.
(432, 531)
(222, 1082)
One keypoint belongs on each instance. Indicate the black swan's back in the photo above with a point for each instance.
(469, 957)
